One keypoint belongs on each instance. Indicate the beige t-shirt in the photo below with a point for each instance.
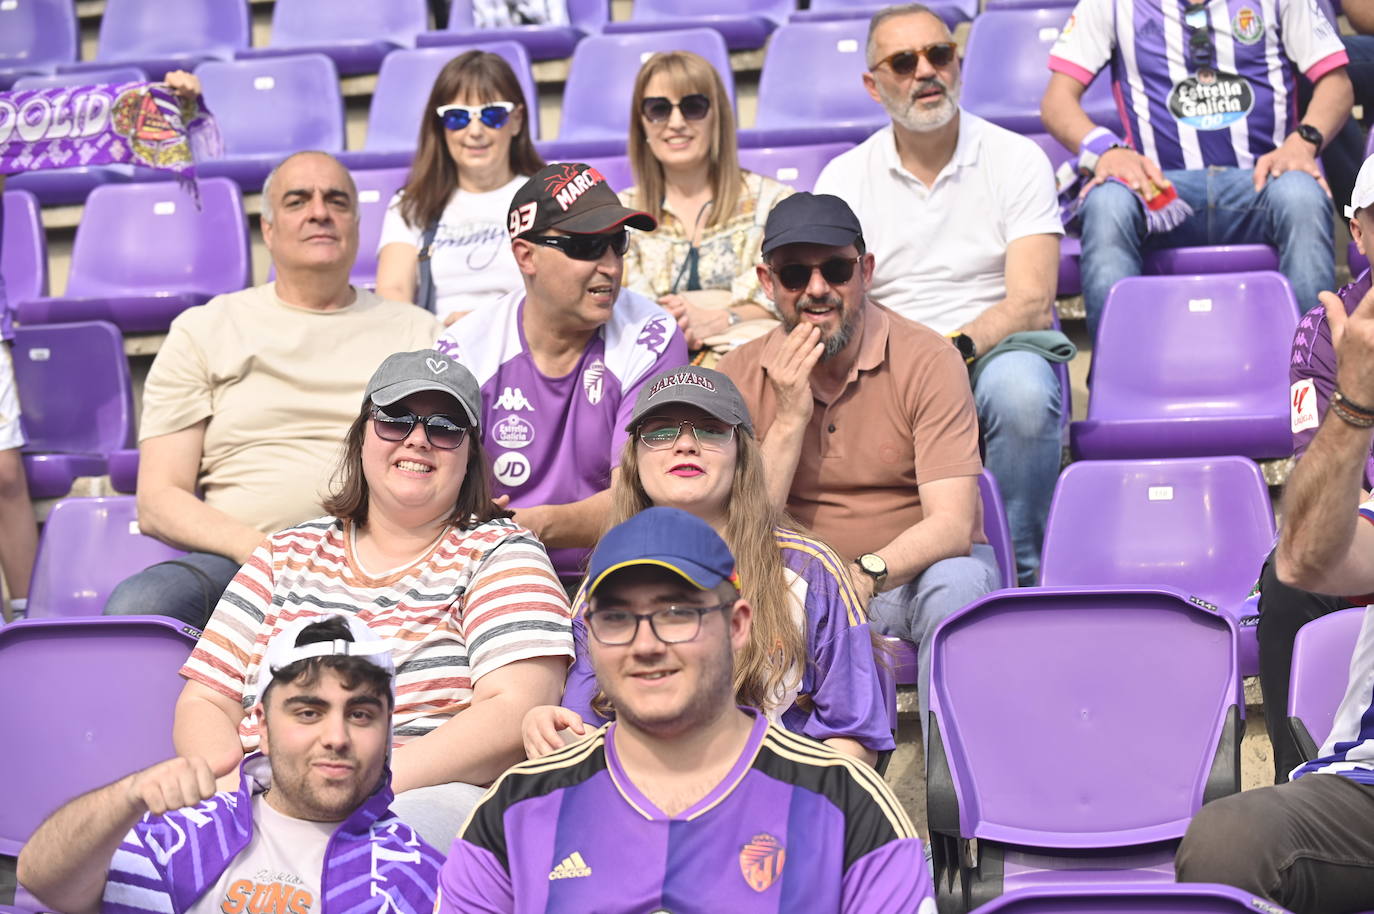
(280, 386)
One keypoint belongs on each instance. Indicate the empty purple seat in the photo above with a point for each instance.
(744, 24)
(1146, 898)
(615, 169)
(1320, 675)
(375, 190)
(105, 73)
(1157, 523)
(23, 248)
(268, 109)
(1217, 258)
(98, 696)
(1006, 69)
(952, 12)
(595, 119)
(403, 87)
(355, 34)
(144, 253)
(836, 109)
(797, 166)
(89, 545)
(1069, 677)
(543, 42)
(1191, 366)
(76, 399)
(159, 36)
(122, 465)
(35, 36)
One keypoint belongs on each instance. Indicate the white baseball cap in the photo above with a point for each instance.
(1363, 194)
(282, 650)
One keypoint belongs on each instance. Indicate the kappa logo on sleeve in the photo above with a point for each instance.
(654, 335)
(1302, 404)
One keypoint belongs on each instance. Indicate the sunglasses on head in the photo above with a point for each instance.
(440, 431)
(795, 277)
(493, 114)
(584, 247)
(904, 63)
(1201, 53)
(694, 107)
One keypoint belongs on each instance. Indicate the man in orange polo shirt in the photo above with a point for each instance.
(867, 425)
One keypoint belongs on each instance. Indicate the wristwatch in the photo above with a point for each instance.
(966, 346)
(1312, 135)
(872, 564)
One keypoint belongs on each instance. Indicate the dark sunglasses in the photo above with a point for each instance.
(584, 247)
(440, 431)
(493, 114)
(795, 277)
(693, 107)
(904, 63)
(1201, 52)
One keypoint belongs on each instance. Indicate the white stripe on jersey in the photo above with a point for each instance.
(1176, 44)
(1226, 63)
(1346, 728)
(1140, 99)
(1273, 55)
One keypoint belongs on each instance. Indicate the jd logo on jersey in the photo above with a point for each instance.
(511, 469)
(1211, 100)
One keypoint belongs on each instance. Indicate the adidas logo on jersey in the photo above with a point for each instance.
(513, 398)
(572, 867)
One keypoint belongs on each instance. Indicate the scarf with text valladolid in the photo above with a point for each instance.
(126, 124)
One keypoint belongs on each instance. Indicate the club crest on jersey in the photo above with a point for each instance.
(761, 860)
(1211, 100)
(571, 184)
(1246, 26)
(593, 384)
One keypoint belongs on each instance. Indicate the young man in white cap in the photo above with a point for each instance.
(308, 831)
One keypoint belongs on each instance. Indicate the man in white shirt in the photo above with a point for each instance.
(964, 222)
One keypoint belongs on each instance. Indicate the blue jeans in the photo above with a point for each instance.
(1019, 409)
(1292, 213)
(186, 589)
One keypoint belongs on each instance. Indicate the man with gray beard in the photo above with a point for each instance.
(964, 222)
(867, 425)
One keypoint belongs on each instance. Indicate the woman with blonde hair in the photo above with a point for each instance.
(699, 264)
(810, 661)
(444, 244)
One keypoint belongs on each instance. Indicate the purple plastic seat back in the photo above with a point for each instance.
(796, 166)
(89, 545)
(98, 696)
(23, 248)
(1006, 69)
(615, 169)
(276, 105)
(996, 528)
(154, 29)
(1146, 898)
(1321, 669)
(123, 469)
(587, 16)
(1053, 149)
(952, 12)
(1214, 258)
(543, 42)
(36, 35)
(74, 387)
(744, 24)
(375, 190)
(834, 108)
(318, 23)
(202, 251)
(124, 73)
(1190, 366)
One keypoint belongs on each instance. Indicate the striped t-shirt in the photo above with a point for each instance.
(480, 599)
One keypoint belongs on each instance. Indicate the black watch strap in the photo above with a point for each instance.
(1312, 135)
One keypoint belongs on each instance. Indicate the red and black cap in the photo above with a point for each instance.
(574, 198)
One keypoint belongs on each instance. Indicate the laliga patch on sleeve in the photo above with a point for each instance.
(1302, 405)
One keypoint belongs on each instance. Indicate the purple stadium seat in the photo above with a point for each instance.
(122, 465)
(1006, 69)
(23, 248)
(615, 169)
(403, 85)
(543, 42)
(89, 545)
(744, 24)
(1070, 272)
(834, 109)
(1144, 898)
(797, 166)
(98, 696)
(1201, 526)
(952, 12)
(1070, 677)
(144, 253)
(268, 109)
(1219, 258)
(375, 190)
(1191, 366)
(595, 119)
(105, 73)
(76, 399)
(35, 36)
(1321, 671)
(159, 36)
(355, 34)
(1028, 4)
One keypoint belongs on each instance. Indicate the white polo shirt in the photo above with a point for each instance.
(941, 251)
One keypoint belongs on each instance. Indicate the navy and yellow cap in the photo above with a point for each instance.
(669, 538)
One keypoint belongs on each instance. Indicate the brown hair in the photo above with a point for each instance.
(688, 73)
(434, 176)
(352, 671)
(348, 496)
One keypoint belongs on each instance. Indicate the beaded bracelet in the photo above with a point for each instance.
(1349, 416)
(1352, 406)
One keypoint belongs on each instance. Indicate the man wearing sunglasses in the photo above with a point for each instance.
(560, 362)
(867, 425)
(963, 220)
(1208, 94)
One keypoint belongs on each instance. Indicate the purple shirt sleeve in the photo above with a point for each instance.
(580, 687)
(674, 355)
(473, 881)
(892, 879)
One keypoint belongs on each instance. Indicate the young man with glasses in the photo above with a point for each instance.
(1208, 91)
(560, 363)
(867, 425)
(686, 801)
(963, 220)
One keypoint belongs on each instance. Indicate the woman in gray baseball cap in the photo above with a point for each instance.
(415, 548)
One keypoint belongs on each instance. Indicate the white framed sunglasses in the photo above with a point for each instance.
(493, 114)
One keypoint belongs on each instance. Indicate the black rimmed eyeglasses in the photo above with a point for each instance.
(671, 625)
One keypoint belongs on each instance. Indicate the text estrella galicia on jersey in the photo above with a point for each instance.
(761, 861)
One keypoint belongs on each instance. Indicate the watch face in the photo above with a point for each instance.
(872, 564)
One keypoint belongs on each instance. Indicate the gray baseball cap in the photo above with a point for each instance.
(705, 388)
(406, 373)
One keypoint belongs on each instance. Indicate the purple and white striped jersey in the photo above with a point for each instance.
(1187, 117)
(554, 441)
(794, 826)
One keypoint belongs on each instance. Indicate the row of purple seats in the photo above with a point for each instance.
(1130, 898)
(797, 166)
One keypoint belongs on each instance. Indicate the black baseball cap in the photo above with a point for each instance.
(571, 197)
(811, 219)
